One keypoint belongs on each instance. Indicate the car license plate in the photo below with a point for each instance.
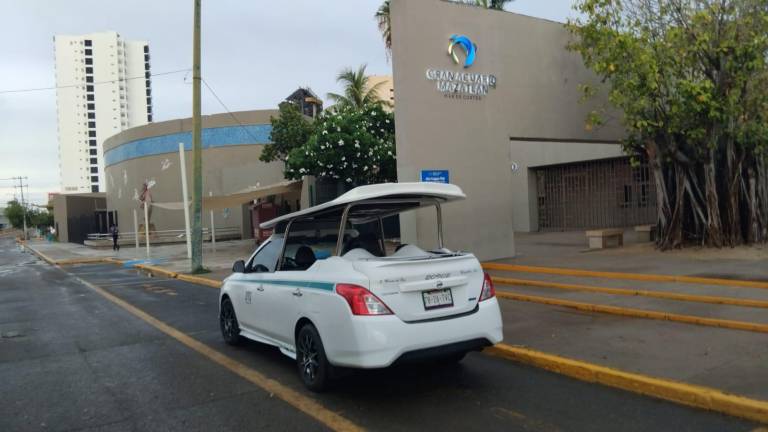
(436, 299)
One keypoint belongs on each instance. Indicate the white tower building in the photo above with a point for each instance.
(103, 87)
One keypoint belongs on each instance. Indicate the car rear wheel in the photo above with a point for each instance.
(312, 364)
(230, 329)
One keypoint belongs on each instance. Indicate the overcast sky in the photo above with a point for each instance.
(255, 53)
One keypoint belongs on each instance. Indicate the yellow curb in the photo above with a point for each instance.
(630, 292)
(71, 261)
(157, 271)
(200, 280)
(626, 276)
(683, 393)
(638, 313)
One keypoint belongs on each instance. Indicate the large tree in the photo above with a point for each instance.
(691, 80)
(357, 91)
(354, 147)
(290, 129)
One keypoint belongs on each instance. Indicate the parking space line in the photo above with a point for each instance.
(674, 391)
(306, 405)
(637, 313)
(631, 292)
(625, 276)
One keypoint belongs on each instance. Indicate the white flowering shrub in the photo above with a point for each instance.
(350, 146)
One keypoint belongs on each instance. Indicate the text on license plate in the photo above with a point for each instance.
(437, 298)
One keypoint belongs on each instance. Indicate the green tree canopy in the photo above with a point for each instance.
(691, 81)
(35, 217)
(355, 147)
(289, 130)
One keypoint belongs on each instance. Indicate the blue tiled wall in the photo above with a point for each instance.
(212, 137)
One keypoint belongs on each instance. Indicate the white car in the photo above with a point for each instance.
(330, 290)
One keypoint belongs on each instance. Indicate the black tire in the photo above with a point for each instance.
(314, 369)
(230, 329)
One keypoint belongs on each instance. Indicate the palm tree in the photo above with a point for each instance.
(382, 17)
(357, 92)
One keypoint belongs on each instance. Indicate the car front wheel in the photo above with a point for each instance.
(312, 364)
(230, 329)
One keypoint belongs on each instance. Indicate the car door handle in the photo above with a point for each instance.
(260, 288)
(297, 293)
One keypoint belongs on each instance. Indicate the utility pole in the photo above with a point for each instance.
(23, 204)
(197, 150)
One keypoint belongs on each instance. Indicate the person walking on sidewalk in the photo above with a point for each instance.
(115, 234)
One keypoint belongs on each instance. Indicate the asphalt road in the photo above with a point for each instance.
(70, 359)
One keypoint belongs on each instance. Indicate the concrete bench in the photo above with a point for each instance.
(646, 233)
(601, 238)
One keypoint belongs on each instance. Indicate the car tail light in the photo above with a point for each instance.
(488, 290)
(362, 301)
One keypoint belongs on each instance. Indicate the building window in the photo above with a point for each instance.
(89, 88)
(146, 57)
(146, 49)
(94, 179)
(149, 92)
(146, 66)
(88, 51)
(92, 125)
(90, 97)
(92, 143)
(94, 170)
(89, 79)
(149, 101)
(87, 42)
(149, 118)
(95, 188)
(94, 162)
(91, 106)
(91, 115)
(89, 61)
(92, 134)
(92, 152)
(89, 70)
(146, 75)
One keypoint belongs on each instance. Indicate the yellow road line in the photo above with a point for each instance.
(637, 313)
(683, 393)
(306, 405)
(626, 276)
(631, 292)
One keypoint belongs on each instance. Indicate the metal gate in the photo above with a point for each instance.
(607, 193)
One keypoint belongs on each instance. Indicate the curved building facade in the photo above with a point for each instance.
(149, 155)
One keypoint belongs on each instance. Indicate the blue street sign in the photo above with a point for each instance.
(435, 176)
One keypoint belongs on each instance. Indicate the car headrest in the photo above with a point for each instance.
(305, 257)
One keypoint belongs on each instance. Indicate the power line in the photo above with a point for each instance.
(27, 90)
(228, 111)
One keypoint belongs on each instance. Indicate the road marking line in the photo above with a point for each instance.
(637, 313)
(674, 391)
(626, 276)
(307, 405)
(631, 292)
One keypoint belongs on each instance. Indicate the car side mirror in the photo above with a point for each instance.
(239, 266)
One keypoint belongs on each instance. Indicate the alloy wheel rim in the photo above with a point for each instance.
(309, 357)
(227, 320)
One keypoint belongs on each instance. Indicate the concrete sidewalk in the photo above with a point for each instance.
(733, 361)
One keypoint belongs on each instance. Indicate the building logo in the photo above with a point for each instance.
(461, 84)
(470, 49)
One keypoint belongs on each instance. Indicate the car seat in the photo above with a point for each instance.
(305, 257)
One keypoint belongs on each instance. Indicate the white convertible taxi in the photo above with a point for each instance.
(330, 290)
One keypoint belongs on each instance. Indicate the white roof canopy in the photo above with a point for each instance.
(420, 194)
(238, 198)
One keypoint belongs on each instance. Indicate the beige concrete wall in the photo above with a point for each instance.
(536, 96)
(225, 170)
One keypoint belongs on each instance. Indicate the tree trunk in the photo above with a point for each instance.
(714, 228)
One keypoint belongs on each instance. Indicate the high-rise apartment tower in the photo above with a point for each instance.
(103, 87)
